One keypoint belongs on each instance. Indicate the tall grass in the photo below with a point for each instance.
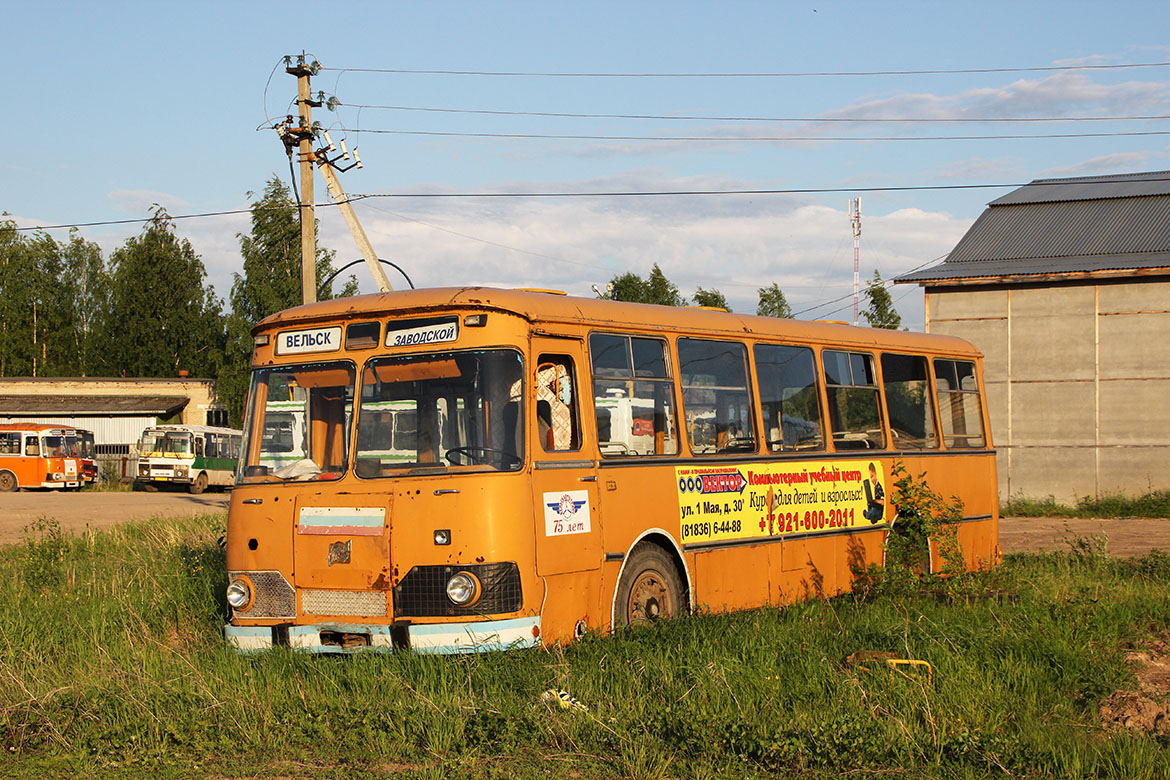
(112, 665)
(1153, 504)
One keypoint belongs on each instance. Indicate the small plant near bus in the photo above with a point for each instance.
(924, 517)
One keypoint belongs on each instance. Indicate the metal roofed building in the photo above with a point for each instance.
(117, 410)
(1064, 285)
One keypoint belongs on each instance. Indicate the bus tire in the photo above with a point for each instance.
(650, 588)
(8, 482)
(199, 484)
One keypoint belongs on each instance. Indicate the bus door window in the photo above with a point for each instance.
(32, 446)
(199, 447)
(556, 404)
(854, 413)
(787, 380)
(633, 396)
(908, 404)
(717, 404)
(958, 402)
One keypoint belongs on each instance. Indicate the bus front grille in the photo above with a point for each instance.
(274, 596)
(423, 591)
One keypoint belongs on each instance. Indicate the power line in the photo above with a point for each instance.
(767, 139)
(616, 194)
(791, 74)
(702, 118)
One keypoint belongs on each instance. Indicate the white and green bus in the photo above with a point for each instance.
(197, 456)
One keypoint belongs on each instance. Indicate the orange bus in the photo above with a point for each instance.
(33, 455)
(453, 470)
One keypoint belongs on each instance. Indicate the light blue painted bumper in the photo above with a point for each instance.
(472, 637)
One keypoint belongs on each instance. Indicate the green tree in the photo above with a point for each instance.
(773, 303)
(712, 298)
(85, 284)
(880, 311)
(271, 282)
(37, 320)
(162, 318)
(654, 289)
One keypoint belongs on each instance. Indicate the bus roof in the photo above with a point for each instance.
(192, 429)
(553, 308)
(32, 427)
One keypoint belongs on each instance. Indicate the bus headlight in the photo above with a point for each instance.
(463, 589)
(180, 471)
(240, 594)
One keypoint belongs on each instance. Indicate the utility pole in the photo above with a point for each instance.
(351, 220)
(855, 221)
(304, 137)
(301, 136)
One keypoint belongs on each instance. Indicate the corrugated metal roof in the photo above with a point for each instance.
(1125, 185)
(158, 405)
(1095, 223)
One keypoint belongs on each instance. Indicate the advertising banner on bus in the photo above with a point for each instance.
(760, 500)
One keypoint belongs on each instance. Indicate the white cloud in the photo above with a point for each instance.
(572, 244)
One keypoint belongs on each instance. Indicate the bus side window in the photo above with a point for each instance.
(9, 443)
(198, 446)
(958, 404)
(854, 414)
(633, 396)
(908, 403)
(717, 403)
(787, 378)
(32, 447)
(556, 404)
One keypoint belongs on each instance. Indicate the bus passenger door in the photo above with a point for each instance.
(564, 485)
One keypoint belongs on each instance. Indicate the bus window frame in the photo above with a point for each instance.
(879, 395)
(932, 403)
(818, 395)
(749, 388)
(670, 380)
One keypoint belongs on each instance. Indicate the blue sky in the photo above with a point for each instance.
(113, 107)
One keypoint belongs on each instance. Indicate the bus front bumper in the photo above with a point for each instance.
(442, 638)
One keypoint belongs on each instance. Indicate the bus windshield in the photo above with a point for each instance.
(454, 409)
(298, 426)
(171, 442)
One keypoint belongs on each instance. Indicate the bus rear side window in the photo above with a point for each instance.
(958, 404)
(852, 391)
(908, 406)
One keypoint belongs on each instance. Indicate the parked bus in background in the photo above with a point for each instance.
(461, 469)
(33, 455)
(196, 456)
(86, 456)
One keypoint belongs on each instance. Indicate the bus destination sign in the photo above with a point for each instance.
(296, 342)
(427, 332)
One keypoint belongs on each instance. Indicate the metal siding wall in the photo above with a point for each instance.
(106, 430)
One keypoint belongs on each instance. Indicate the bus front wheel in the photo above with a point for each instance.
(650, 589)
(8, 483)
(199, 484)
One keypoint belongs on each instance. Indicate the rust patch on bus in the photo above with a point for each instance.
(381, 583)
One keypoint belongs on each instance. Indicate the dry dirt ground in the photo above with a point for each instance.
(76, 511)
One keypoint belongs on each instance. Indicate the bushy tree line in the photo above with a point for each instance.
(146, 310)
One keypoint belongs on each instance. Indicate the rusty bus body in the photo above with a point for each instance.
(460, 469)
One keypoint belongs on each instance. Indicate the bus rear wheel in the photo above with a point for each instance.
(650, 589)
(8, 483)
(199, 484)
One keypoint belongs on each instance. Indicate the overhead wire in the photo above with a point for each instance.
(788, 74)
(716, 118)
(444, 133)
(1104, 180)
